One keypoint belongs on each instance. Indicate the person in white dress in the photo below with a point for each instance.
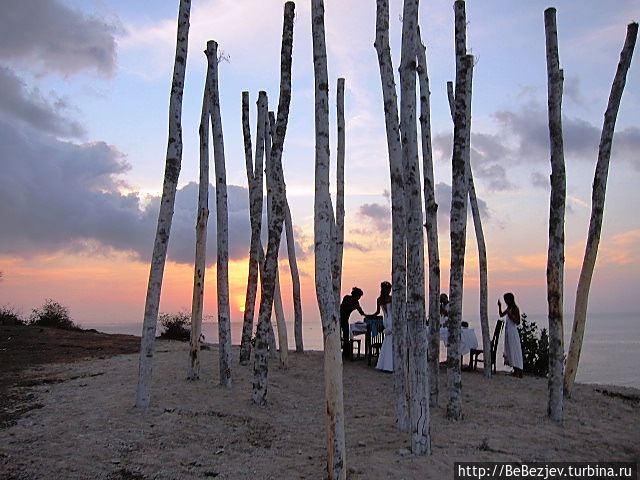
(512, 347)
(383, 303)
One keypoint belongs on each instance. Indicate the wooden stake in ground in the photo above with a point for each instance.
(295, 279)
(555, 258)
(323, 219)
(337, 260)
(201, 238)
(398, 239)
(277, 296)
(268, 280)
(597, 208)
(416, 315)
(165, 216)
(255, 185)
(461, 51)
(458, 228)
(222, 219)
(431, 226)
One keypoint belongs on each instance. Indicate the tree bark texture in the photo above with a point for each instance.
(431, 226)
(201, 239)
(274, 173)
(398, 223)
(165, 215)
(222, 218)
(555, 257)
(458, 224)
(597, 208)
(416, 315)
(255, 184)
(323, 219)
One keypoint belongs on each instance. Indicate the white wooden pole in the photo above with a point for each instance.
(165, 215)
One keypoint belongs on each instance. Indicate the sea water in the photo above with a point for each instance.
(610, 351)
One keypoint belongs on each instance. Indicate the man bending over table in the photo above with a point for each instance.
(348, 305)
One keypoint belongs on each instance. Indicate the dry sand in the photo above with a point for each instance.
(86, 428)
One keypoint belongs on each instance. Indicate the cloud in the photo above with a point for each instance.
(443, 199)
(30, 108)
(489, 154)
(379, 215)
(59, 196)
(528, 130)
(56, 38)
(538, 180)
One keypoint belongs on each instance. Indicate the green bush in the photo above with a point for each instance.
(176, 326)
(535, 347)
(9, 316)
(52, 314)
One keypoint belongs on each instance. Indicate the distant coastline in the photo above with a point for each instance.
(610, 354)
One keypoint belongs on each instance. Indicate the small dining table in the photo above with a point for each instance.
(369, 328)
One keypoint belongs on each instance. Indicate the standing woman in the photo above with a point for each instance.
(385, 359)
(512, 348)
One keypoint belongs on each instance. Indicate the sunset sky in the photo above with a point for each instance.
(84, 92)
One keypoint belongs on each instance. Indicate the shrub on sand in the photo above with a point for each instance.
(10, 316)
(52, 314)
(535, 348)
(176, 326)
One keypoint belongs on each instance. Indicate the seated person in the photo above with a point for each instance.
(444, 310)
(348, 305)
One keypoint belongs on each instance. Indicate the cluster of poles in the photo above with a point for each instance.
(415, 345)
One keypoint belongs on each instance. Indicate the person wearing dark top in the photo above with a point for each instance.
(348, 305)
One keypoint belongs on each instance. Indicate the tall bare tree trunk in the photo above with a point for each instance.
(416, 315)
(222, 217)
(337, 265)
(555, 258)
(165, 216)
(461, 51)
(323, 220)
(277, 296)
(295, 279)
(271, 337)
(201, 238)
(398, 224)
(458, 227)
(431, 225)
(274, 165)
(597, 208)
(255, 185)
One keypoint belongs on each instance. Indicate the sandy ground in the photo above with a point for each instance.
(84, 425)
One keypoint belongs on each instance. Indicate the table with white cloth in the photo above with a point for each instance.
(468, 339)
(369, 327)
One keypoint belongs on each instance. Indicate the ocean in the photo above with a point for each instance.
(610, 351)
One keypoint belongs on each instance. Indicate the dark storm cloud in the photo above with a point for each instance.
(29, 107)
(62, 196)
(53, 37)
